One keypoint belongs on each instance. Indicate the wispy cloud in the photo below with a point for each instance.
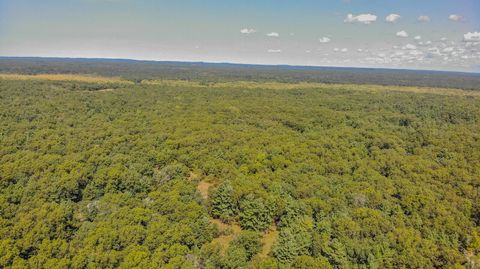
(247, 31)
(324, 40)
(273, 34)
(340, 50)
(423, 18)
(392, 18)
(402, 34)
(362, 18)
(455, 18)
(409, 47)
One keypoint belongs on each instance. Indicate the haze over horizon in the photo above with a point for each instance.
(428, 34)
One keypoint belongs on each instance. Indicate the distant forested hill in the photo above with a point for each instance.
(139, 70)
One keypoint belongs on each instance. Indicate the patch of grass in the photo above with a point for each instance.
(305, 85)
(65, 77)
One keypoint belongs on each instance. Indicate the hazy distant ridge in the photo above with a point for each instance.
(138, 70)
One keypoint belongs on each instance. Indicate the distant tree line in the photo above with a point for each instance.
(207, 72)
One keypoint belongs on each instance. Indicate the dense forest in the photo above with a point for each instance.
(151, 175)
(208, 72)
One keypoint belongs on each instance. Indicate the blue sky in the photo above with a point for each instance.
(416, 34)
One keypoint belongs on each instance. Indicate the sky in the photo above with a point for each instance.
(411, 34)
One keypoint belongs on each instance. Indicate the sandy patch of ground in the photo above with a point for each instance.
(228, 232)
(203, 186)
(268, 239)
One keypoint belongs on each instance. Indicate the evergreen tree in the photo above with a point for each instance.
(255, 213)
(222, 204)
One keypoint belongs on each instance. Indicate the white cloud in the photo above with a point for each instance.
(417, 37)
(423, 18)
(443, 39)
(409, 47)
(455, 17)
(435, 51)
(274, 50)
(273, 34)
(472, 44)
(426, 43)
(416, 53)
(324, 40)
(362, 18)
(248, 31)
(392, 18)
(344, 50)
(402, 34)
(449, 49)
(475, 36)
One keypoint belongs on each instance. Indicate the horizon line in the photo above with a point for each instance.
(239, 64)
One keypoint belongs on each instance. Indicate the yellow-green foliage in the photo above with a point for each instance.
(347, 176)
(240, 84)
(305, 85)
(64, 77)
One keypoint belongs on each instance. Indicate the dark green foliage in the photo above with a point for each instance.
(222, 203)
(286, 248)
(235, 258)
(255, 213)
(351, 178)
(250, 241)
(293, 212)
(294, 240)
(238, 254)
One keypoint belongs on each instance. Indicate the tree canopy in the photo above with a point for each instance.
(107, 175)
